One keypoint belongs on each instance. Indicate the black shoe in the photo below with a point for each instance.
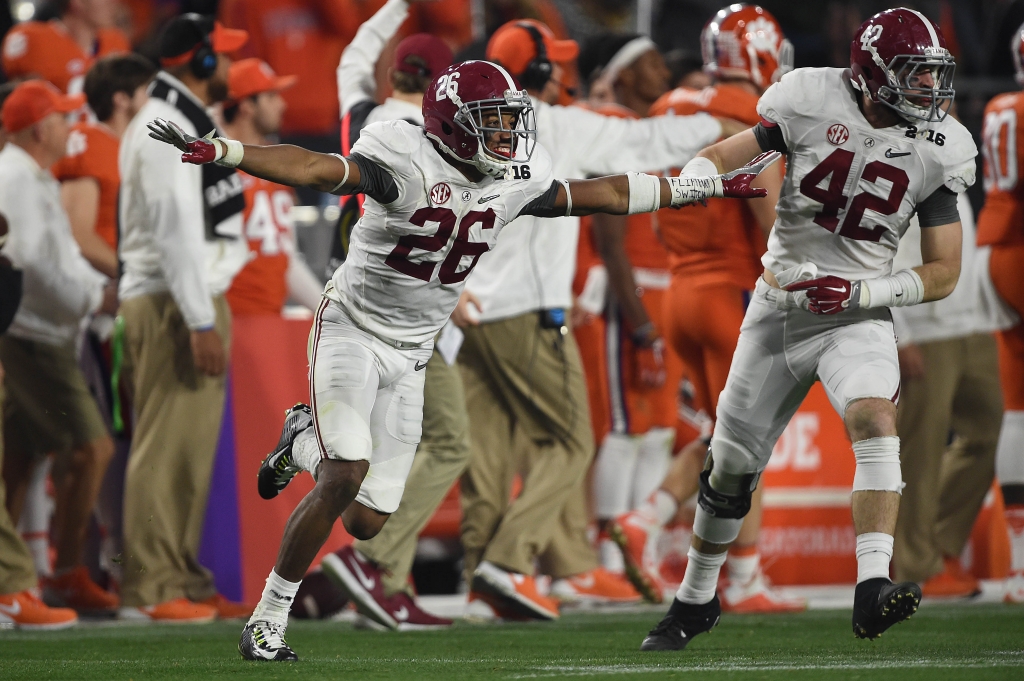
(878, 604)
(278, 469)
(263, 641)
(682, 623)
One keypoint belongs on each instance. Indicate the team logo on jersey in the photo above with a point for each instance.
(869, 142)
(466, 196)
(838, 134)
(440, 193)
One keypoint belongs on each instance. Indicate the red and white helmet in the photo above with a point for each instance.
(453, 108)
(1017, 49)
(889, 55)
(745, 41)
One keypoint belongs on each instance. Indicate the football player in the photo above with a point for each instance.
(999, 226)
(437, 197)
(866, 147)
(714, 253)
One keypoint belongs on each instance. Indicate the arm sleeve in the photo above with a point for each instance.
(375, 181)
(175, 206)
(544, 205)
(769, 137)
(939, 208)
(605, 145)
(356, 80)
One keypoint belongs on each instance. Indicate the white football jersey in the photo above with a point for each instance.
(850, 189)
(408, 260)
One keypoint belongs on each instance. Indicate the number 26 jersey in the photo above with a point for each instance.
(408, 259)
(850, 188)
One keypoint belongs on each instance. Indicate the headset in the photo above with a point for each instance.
(538, 72)
(204, 61)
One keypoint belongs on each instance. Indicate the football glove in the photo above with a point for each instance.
(208, 149)
(687, 189)
(829, 294)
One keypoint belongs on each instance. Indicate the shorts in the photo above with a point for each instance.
(780, 354)
(48, 408)
(367, 402)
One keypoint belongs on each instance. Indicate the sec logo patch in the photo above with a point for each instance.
(838, 134)
(440, 193)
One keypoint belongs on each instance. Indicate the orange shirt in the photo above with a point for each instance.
(92, 152)
(1001, 220)
(720, 242)
(44, 49)
(261, 287)
(304, 38)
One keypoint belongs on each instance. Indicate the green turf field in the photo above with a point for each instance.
(961, 643)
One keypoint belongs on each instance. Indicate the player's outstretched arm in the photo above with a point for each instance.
(281, 163)
(732, 152)
(642, 193)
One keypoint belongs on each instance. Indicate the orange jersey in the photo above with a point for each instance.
(44, 49)
(261, 287)
(1001, 220)
(92, 153)
(720, 242)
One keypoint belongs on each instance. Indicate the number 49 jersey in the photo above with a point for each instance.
(408, 260)
(850, 188)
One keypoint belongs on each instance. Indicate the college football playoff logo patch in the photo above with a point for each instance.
(440, 193)
(838, 134)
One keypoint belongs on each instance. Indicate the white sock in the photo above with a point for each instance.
(276, 600)
(306, 451)
(1015, 529)
(652, 463)
(874, 551)
(701, 578)
(660, 505)
(613, 475)
(611, 557)
(742, 568)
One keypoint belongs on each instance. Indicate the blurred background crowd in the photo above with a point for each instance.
(88, 396)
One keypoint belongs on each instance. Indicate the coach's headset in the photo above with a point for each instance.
(203, 63)
(538, 72)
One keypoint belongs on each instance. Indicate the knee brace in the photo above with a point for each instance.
(732, 498)
(878, 465)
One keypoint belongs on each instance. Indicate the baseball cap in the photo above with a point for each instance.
(34, 100)
(513, 47)
(253, 76)
(185, 33)
(431, 49)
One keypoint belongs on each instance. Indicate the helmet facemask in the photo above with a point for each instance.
(908, 95)
(477, 119)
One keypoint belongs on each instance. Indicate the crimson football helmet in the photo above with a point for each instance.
(1017, 49)
(454, 110)
(893, 56)
(745, 41)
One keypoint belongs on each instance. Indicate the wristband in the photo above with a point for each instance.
(230, 153)
(901, 289)
(644, 193)
(348, 170)
(687, 189)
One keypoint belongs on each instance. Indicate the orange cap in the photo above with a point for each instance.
(34, 100)
(185, 33)
(252, 76)
(514, 47)
(224, 39)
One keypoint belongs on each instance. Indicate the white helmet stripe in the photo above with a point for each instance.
(931, 28)
(508, 78)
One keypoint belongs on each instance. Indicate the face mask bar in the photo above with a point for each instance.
(905, 71)
(523, 130)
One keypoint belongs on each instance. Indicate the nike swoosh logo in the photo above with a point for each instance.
(12, 610)
(585, 582)
(367, 582)
(488, 198)
(889, 154)
(420, 365)
(401, 614)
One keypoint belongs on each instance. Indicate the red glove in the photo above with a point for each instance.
(829, 295)
(736, 184)
(194, 150)
(649, 365)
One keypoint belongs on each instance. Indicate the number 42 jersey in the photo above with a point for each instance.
(850, 188)
(409, 258)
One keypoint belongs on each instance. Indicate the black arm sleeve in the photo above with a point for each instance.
(938, 209)
(769, 138)
(544, 205)
(374, 181)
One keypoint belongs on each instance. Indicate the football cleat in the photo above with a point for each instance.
(278, 469)
(636, 535)
(263, 641)
(516, 593)
(681, 624)
(878, 604)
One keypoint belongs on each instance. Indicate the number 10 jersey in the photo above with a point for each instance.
(850, 188)
(408, 260)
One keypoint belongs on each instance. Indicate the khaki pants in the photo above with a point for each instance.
(946, 485)
(527, 404)
(177, 422)
(441, 457)
(17, 571)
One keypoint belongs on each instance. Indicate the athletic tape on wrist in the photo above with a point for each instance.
(233, 152)
(687, 189)
(644, 193)
(901, 289)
